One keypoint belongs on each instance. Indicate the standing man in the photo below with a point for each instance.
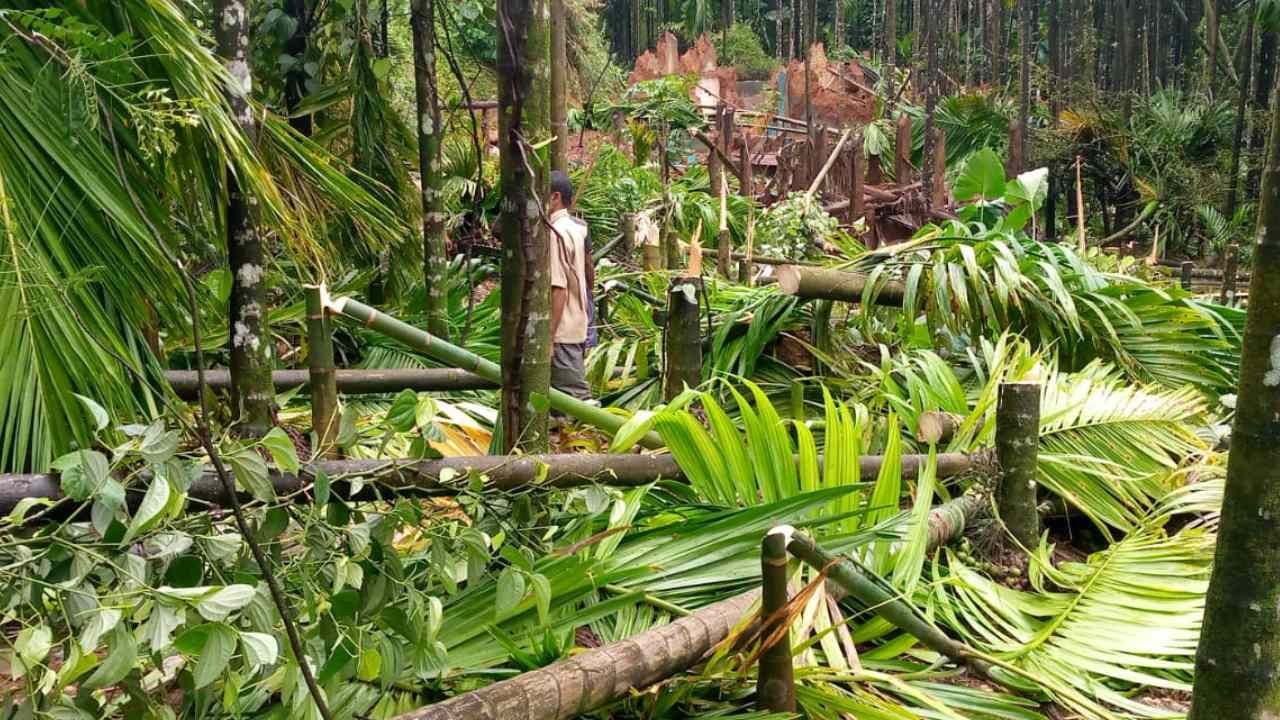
(570, 291)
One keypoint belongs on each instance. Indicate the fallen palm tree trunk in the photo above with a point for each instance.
(350, 382)
(448, 476)
(459, 358)
(595, 678)
(823, 284)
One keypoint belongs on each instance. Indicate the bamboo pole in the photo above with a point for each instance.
(1017, 443)
(349, 381)
(824, 284)
(683, 336)
(487, 369)
(325, 418)
(449, 476)
(776, 683)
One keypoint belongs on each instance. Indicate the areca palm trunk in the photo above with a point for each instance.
(1240, 638)
(526, 283)
(251, 390)
(295, 80)
(559, 71)
(430, 132)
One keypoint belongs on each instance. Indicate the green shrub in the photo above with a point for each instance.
(742, 49)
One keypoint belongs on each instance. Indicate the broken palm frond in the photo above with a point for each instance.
(1080, 633)
(981, 283)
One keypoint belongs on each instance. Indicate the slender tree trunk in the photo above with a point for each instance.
(430, 131)
(523, 57)
(1024, 76)
(250, 341)
(1242, 110)
(295, 81)
(1262, 88)
(1240, 639)
(559, 71)
(726, 14)
(779, 39)
(890, 46)
(837, 33)
(1017, 438)
(1211, 40)
(995, 41)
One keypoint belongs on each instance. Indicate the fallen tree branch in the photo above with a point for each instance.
(186, 383)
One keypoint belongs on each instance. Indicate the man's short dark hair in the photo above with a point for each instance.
(560, 183)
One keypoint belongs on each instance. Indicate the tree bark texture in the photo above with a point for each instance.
(1017, 443)
(1239, 649)
(1242, 109)
(526, 290)
(250, 340)
(683, 337)
(435, 264)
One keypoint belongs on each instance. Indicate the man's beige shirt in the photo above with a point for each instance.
(569, 271)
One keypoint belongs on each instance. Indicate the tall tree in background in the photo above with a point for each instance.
(559, 70)
(252, 393)
(523, 123)
(995, 41)
(837, 30)
(1242, 108)
(1240, 639)
(1262, 86)
(930, 20)
(1211, 44)
(1024, 76)
(890, 42)
(430, 132)
(295, 79)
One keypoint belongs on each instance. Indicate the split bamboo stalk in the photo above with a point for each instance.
(776, 683)
(1017, 444)
(826, 167)
(325, 418)
(466, 360)
(1081, 243)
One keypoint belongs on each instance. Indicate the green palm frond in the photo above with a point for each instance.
(1079, 637)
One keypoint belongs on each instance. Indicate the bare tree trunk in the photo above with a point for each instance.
(1017, 439)
(559, 71)
(995, 41)
(1024, 93)
(930, 19)
(1262, 89)
(1242, 109)
(1211, 41)
(295, 80)
(1240, 638)
(890, 46)
(430, 132)
(250, 341)
(837, 32)
(322, 379)
(779, 40)
(523, 56)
